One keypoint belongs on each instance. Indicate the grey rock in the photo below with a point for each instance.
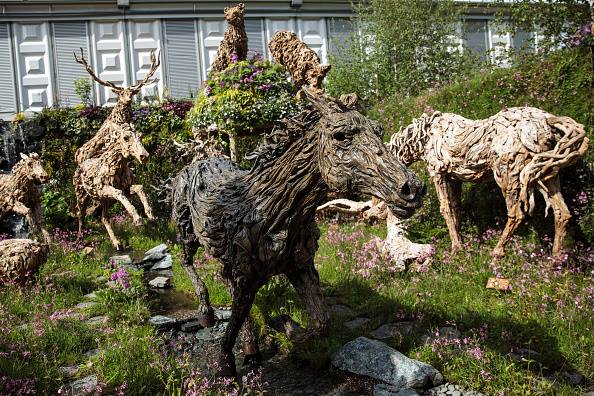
(160, 282)
(162, 322)
(121, 260)
(222, 314)
(155, 254)
(456, 393)
(190, 326)
(357, 322)
(85, 305)
(101, 279)
(163, 264)
(92, 353)
(451, 390)
(90, 296)
(212, 333)
(83, 386)
(340, 310)
(390, 390)
(523, 355)
(69, 371)
(379, 361)
(97, 320)
(574, 379)
(390, 330)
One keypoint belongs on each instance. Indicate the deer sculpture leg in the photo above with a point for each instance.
(81, 203)
(244, 291)
(552, 194)
(118, 195)
(107, 224)
(515, 215)
(139, 191)
(306, 282)
(448, 192)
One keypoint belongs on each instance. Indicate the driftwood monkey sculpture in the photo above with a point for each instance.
(103, 174)
(522, 148)
(235, 41)
(19, 194)
(261, 223)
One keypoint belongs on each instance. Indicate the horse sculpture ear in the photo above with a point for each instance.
(320, 101)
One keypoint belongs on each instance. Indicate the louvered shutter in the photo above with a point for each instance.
(69, 37)
(8, 97)
(182, 58)
(254, 28)
(339, 33)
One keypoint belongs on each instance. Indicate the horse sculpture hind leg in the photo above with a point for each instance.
(139, 191)
(107, 225)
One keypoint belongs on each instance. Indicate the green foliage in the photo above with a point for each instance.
(244, 98)
(403, 46)
(82, 89)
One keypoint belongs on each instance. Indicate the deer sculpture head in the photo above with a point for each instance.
(32, 168)
(352, 157)
(124, 94)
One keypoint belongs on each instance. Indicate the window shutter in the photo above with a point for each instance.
(339, 32)
(69, 37)
(8, 97)
(254, 28)
(182, 58)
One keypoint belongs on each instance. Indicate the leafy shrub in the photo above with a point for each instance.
(245, 97)
(82, 89)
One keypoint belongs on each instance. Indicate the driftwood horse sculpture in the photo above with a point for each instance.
(260, 223)
(108, 178)
(522, 148)
(19, 193)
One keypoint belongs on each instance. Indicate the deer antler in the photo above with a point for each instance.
(83, 62)
(155, 62)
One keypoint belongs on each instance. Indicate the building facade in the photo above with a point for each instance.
(38, 37)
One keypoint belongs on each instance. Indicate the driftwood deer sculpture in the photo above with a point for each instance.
(522, 148)
(121, 115)
(19, 193)
(261, 223)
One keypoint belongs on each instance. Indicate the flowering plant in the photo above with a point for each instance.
(246, 96)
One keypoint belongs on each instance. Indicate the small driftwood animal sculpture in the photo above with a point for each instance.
(396, 247)
(108, 178)
(261, 223)
(19, 193)
(121, 115)
(522, 148)
(235, 41)
(301, 61)
(20, 258)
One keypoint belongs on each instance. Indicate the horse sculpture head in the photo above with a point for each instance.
(32, 167)
(352, 157)
(129, 144)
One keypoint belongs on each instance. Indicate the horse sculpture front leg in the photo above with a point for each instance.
(118, 195)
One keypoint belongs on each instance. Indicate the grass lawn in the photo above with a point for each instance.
(514, 343)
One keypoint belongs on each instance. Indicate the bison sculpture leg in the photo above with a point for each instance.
(552, 194)
(448, 192)
(515, 215)
(306, 282)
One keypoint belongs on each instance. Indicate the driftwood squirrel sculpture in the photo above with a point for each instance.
(19, 192)
(301, 61)
(522, 148)
(235, 41)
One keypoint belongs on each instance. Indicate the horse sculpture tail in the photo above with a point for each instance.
(571, 144)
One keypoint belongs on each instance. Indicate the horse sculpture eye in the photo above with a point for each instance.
(340, 136)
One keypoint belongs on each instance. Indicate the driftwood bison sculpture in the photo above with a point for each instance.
(522, 148)
(260, 223)
(20, 258)
(19, 192)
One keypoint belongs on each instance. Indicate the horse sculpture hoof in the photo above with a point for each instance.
(138, 222)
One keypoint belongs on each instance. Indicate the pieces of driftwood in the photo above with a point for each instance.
(19, 192)
(235, 41)
(301, 61)
(522, 148)
(20, 259)
(261, 223)
(396, 247)
(120, 116)
(108, 178)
